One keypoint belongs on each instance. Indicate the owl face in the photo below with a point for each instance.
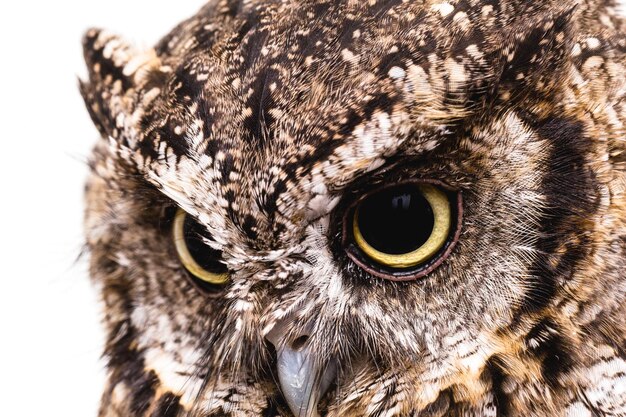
(385, 211)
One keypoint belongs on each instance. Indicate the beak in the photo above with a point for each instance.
(303, 379)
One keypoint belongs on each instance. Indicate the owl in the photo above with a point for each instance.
(411, 208)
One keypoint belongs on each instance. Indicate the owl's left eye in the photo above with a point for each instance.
(202, 261)
(404, 231)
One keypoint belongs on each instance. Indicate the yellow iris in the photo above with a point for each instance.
(440, 205)
(187, 259)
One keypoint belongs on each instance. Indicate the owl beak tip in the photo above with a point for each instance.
(303, 381)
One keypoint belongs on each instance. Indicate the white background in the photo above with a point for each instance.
(50, 339)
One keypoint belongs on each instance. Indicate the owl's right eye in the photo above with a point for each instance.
(199, 259)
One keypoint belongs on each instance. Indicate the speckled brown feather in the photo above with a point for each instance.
(265, 119)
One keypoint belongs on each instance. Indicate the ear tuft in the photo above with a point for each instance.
(118, 73)
(106, 56)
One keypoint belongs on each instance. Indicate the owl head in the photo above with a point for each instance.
(345, 208)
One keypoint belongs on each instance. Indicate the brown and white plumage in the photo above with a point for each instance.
(264, 120)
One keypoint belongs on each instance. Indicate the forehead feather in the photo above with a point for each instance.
(295, 89)
(273, 115)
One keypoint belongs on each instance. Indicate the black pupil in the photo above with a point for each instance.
(205, 256)
(396, 220)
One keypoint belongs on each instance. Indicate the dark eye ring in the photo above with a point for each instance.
(405, 231)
